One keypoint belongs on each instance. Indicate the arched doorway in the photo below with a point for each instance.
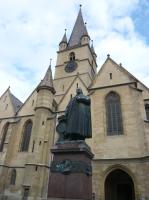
(119, 186)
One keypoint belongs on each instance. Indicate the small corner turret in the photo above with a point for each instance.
(63, 43)
(47, 82)
(46, 91)
(85, 39)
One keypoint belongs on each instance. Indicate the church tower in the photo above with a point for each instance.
(74, 58)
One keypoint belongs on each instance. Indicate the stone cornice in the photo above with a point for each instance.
(110, 86)
(123, 160)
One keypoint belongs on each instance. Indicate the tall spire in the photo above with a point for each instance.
(47, 82)
(79, 30)
(64, 39)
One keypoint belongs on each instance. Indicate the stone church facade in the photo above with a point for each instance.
(120, 126)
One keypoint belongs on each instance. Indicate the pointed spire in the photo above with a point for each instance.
(78, 31)
(85, 33)
(64, 39)
(92, 47)
(47, 81)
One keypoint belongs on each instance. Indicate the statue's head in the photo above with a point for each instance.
(79, 91)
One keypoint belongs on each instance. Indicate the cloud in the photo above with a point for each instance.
(30, 32)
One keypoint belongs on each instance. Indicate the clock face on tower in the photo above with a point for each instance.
(71, 66)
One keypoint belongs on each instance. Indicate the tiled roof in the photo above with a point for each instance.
(78, 31)
(16, 102)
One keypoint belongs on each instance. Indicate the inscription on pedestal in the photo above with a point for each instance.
(68, 166)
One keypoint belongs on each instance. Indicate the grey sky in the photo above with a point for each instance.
(30, 31)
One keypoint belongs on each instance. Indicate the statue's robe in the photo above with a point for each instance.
(78, 118)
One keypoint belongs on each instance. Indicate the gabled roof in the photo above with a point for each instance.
(78, 31)
(128, 73)
(120, 67)
(35, 90)
(15, 102)
(77, 76)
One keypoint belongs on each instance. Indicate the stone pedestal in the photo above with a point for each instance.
(71, 172)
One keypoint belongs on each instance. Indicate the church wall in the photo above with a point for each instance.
(29, 105)
(129, 144)
(83, 58)
(81, 52)
(4, 154)
(136, 169)
(15, 156)
(34, 176)
(14, 192)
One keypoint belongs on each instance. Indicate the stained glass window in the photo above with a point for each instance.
(3, 138)
(26, 136)
(114, 115)
(147, 111)
(13, 177)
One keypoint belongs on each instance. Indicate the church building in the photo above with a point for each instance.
(120, 125)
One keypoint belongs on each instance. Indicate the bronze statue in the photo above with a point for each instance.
(76, 123)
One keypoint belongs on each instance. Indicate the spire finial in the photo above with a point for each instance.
(80, 5)
(108, 56)
(47, 82)
(92, 42)
(50, 61)
(65, 30)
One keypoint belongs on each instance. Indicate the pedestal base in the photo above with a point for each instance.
(70, 173)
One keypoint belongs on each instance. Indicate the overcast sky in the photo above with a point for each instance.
(30, 32)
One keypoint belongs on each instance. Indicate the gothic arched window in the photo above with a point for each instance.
(114, 115)
(72, 56)
(13, 177)
(147, 111)
(26, 136)
(3, 138)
